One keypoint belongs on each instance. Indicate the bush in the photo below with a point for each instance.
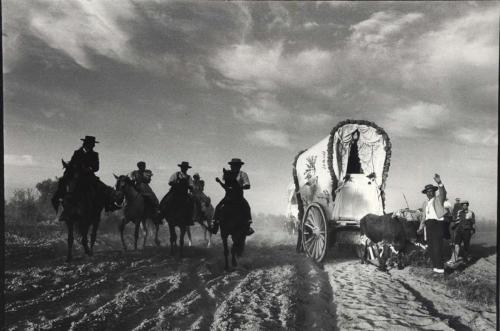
(22, 207)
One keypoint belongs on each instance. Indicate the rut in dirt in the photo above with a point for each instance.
(272, 288)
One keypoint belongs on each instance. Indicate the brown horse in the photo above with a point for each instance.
(232, 217)
(135, 211)
(83, 208)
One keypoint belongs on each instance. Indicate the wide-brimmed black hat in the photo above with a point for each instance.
(184, 164)
(89, 139)
(236, 161)
(429, 187)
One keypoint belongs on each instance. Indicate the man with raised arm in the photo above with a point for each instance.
(433, 220)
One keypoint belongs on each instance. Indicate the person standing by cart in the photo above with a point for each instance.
(433, 219)
(464, 228)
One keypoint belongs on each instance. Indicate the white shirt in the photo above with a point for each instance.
(180, 175)
(242, 179)
(430, 212)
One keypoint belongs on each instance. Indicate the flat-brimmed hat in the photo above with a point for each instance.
(429, 187)
(236, 161)
(141, 163)
(89, 139)
(184, 164)
(465, 202)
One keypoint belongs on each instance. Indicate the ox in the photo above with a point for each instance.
(393, 231)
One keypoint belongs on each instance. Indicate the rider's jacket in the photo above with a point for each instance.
(139, 176)
(85, 162)
(180, 178)
(198, 186)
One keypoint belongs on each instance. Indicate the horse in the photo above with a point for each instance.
(204, 215)
(176, 208)
(83, 209)
(232, 217)
(135, 211)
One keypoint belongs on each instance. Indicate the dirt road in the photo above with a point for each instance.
(273, 288)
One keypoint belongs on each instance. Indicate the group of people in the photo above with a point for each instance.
(85, 163)
(442, 222)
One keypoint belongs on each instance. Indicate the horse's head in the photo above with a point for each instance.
(122, 181)
(113, 198)
(229, 177)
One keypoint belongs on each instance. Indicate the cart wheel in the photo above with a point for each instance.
(315, 232)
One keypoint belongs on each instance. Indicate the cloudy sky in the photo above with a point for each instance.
(166, 81)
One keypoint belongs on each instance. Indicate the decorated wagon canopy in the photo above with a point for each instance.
(346, 171)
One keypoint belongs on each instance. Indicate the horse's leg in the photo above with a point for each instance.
(188, 231)
(226, 251)
(145, 232)
(157, 228)
(209, 235)
(181, 239)
(69, 223)
(173, 237)
(84, 229)
(121, 227)
(93, 235)
(234, 249)
(136, 233)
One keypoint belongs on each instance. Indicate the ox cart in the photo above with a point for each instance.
(337, 182)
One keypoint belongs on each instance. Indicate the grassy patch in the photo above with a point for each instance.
(475, 284)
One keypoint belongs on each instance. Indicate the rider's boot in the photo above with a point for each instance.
(250, 231)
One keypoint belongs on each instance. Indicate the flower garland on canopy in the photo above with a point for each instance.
(387, 161)
(334, 178)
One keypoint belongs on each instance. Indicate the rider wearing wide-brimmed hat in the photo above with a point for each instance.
(179, 176)
(142, 177)
(85, 163)
(244, 182)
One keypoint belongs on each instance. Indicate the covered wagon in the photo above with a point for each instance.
(337, 182)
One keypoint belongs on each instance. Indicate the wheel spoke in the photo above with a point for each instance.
(319, 249)
(309, 240)
(310, 226)
(310, 223)
(313, 251)
(316, 249)
(311, 247)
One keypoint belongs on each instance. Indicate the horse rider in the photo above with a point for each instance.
(180, 186)
(464, 226)
(85, 163)
(142, 178)
(180, 180)
(242, 179)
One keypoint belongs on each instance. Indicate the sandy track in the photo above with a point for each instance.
(273, 288)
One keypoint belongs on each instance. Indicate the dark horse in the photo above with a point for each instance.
(177, 208)
(136, 211)
(83, 207)
(232, 217)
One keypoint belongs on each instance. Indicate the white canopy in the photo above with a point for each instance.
(371, 150)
